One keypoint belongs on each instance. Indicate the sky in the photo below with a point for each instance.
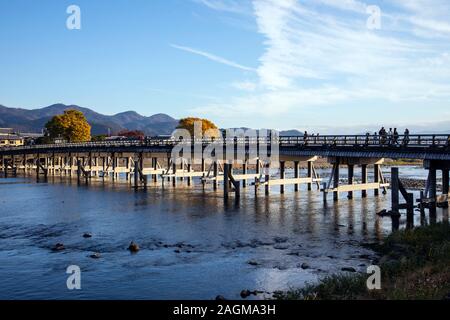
(283, 64)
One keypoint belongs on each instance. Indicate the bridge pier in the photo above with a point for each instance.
(351, 170)
(336, 181)
(282, 175)
(310, 172)
(334, 186)
(364, 179)
(267, 178)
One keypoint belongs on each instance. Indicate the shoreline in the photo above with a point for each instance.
(414, 264)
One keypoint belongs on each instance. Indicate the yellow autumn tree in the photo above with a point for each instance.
(207, 125)
(71, 125)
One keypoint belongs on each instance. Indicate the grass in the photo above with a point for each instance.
(415, 264)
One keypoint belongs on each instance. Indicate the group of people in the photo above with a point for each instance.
(390, 137)
(382, 137)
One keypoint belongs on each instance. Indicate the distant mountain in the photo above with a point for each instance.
(34, 120)
(291, 133)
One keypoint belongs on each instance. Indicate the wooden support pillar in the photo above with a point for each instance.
(351, 171)
(364, 179)
(258, 172)
(310, 166)
(410, 211)
(267, 177)
(37, 162)
(376, 176)
(174, 171)
(433, 191)
(79, 170)
(154, 167)
(395, 191)
(128, 166)
(395, 201)
(244, 171)
(226, 180)
(282, 175)
(216, 173)
(24, 163)
(136, 174)
(296, 174)
(141, 170)
(182, 168)
(445, 181)
(336, 181)
(189, 179)
(114, 164)
(203, 168)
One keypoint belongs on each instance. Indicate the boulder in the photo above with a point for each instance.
(133, 247)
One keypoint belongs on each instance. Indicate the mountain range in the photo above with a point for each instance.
(24, 120)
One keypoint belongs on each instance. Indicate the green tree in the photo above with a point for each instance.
(71, 125)
(207, 125)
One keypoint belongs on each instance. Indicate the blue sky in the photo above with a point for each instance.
(305, 64)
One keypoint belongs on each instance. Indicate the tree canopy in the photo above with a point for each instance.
(71, 125)
(132, 134)
(207, 125)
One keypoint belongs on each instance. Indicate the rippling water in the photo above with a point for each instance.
(193, 246)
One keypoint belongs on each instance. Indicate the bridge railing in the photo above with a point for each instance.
(424, 140)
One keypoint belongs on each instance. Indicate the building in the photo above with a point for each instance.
(11, 140)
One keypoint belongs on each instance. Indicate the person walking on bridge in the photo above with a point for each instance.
(305, 138)
(382, 134)
(395, 136)
(406, 137)
(390, 135)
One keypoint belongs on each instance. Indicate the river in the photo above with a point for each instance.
(193, 246)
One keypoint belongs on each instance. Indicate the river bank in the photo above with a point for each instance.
(415, 264)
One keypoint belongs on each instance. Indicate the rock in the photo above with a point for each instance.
(87, 235)
(220, 298)
(133, 247)
(253, 262)
(246, 293)
(280, 239)
(348, 269)
(281, 267)
(281, 246)
(58, 247)
(95, 255)
(304, 266)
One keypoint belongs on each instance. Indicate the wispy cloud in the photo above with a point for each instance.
(213, 57)
(233, 6)
(321, 53)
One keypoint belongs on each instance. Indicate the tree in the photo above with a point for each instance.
(207, 125)
(133, 134)
(71, 125)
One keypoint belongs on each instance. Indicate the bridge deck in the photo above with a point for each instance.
(424, 147)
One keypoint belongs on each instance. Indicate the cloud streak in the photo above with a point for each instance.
(320, 53)
(213, 57)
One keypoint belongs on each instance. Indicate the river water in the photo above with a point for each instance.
(193, 246)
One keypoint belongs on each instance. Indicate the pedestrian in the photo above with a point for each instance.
(390, 134)
(406, 137)
(395, 136)
(382, 134)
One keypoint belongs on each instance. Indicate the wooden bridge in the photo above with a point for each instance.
(152, 159)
